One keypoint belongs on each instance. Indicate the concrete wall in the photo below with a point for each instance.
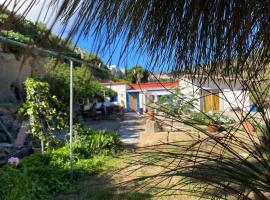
(16, 70)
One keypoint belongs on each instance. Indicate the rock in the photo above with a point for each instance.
(7, 120)
(4, 111)
(13, 109)
(3, 137)
(16, 125)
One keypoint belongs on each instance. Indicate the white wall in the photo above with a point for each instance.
(145, 96)
(189, 89)
(230, 93)
(121, 91)
(236, 98)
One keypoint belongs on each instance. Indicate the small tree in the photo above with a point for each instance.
(43, 110)
(86, 84)
(137, 74)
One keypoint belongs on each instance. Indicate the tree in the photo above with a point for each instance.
(85, 83)
(137, 74)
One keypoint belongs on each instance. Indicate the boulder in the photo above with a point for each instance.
(7, 121)
(4, 111)
(16, 125)
(3, 137)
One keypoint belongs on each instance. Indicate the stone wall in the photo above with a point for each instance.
(16, 70)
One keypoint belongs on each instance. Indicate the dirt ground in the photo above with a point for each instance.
(119, 182)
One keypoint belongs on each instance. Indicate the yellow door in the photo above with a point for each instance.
(207, 99)
(211, 101)
(215, 97)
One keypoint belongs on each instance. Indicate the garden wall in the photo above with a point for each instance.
(164, 137)
(146, 139)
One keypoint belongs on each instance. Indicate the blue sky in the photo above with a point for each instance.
(112, 56)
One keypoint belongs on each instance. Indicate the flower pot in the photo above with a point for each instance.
(248, 127)
(212, 128)
(150, 115)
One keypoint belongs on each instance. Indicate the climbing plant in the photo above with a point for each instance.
(44, 111)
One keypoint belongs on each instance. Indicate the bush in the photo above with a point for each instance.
(200, 118)
(222, 119)
(38, 175)
(91, 142)
(33, 178)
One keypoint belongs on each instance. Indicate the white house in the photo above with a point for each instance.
(136, 97)
(217, 94)
(209, 95)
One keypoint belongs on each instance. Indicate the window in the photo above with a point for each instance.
(114, 99)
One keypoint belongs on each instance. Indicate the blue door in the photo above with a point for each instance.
(133, 103)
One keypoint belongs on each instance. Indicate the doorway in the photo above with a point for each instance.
(133, 102)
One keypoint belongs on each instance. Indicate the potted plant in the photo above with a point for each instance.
(213, 127)
(219, 122)
(150, 114)
(248, 127)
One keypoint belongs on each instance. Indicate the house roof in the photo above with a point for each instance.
(146, 86)
(154, 85)
(115, 83)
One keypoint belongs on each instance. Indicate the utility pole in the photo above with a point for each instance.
(71, 118)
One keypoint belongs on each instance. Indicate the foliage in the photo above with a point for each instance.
(85, 83)
(200, 118)
(92, 142)
(17, 28)
(137, 74)
(38, 176)
(34, 178)
(15, 36)
(220, 118)
(43, 110)
(178, 103)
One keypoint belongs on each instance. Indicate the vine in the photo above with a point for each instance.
(44, 111)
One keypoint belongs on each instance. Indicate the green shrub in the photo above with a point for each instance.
(33, 178)
(15, 36)
(91, 142)
(197, 118)
(45, 111)
(37, 176)
(200, 118)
